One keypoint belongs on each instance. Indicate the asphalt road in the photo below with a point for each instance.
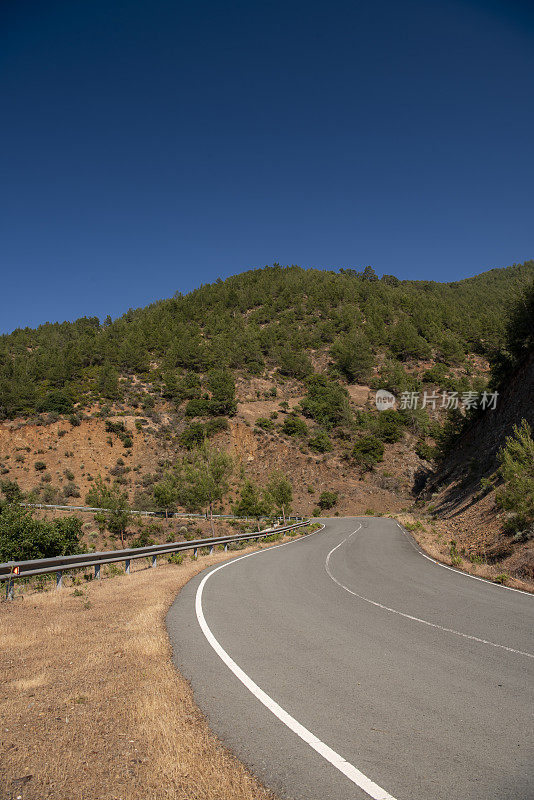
(417, 678)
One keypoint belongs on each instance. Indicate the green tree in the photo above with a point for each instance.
(281, 491)
(519, 338)
(221, 385)
(108, 382)
(353, 356)
(115, 504)
(406, 343)
(326, 402)
(198, 481)
(517, 471)
(252, 502)
(11, 491)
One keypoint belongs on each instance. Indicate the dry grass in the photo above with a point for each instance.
(91, 705)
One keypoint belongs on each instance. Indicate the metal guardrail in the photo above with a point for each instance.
(13, 570)
(158, 513)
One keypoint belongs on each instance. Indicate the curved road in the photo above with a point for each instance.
(347, 665)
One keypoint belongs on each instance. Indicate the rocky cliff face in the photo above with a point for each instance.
(453, 493)
(476, 453)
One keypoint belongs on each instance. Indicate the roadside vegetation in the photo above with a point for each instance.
(516, 470)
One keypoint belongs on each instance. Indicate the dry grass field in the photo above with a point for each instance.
(91, 706)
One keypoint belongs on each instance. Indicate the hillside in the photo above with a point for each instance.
(484, 500)
(277, 366)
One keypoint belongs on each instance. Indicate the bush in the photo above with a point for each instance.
(198, 407)
(294, 426)
(368, 451)
(390, 426)
(425, 450)
(216, 425)
(71, 490)
(58, 400)
(295, 364)
(22, 537)
(327, 500)
(40, 466)
(193, 435)
(320, 442)
(265, 423)
(143, 539)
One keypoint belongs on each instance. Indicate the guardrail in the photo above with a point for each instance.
(159, 513)
(13, 570)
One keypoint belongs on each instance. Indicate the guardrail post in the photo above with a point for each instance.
(211, 550)
(97, 572)
(195, 552)
(226, 547)
(127, 566)
(59, 579)
(154, 561)
(10, 587)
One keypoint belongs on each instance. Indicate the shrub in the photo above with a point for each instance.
(368, 451)
(320, 442)
(425, 450)
(71, 490)
(193, 435)
(390, 426)
(11, 491)
(40, 466)
(143, 539)
(198, 407)
(265, 423)
(295, 364)
(216, 425)
(57, 400)
(294, 426)
(22, 537)
(327, 500)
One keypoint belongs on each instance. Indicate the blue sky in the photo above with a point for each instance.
(149, 147)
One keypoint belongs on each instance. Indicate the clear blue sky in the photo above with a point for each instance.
(148, 146)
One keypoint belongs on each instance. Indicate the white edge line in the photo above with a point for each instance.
(336, 760)
(417, 547)
(410, 616)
